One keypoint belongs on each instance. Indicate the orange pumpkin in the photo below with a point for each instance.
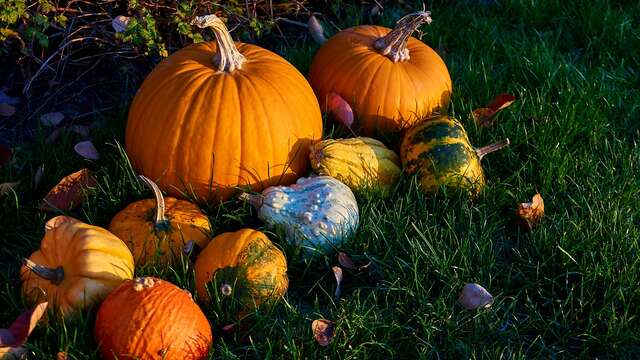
(149, 318)
(76, 266)
(243, 264)
(160, 229)
(216, 115)
(390, 79)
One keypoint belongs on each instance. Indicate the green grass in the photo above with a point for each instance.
(567, 289)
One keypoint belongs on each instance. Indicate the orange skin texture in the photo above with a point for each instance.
(194, 129)
(94, 262)
(135, 226)
(385, 96)
(229, 250)
(149, 318)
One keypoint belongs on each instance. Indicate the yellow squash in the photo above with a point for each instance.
(358, 162)
(76, 266)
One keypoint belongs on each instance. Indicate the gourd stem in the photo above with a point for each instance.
(161, 220)
(254, 200)
(227, 58)
(54, 275)
(394, 44)
(481, 152)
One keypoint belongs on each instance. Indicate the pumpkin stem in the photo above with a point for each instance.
(54, 275)
(228, 58)
(254, 200)
(394, 44)
(161, 222)
(481, 152)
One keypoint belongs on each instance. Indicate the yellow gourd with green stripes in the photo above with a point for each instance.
(439, 151)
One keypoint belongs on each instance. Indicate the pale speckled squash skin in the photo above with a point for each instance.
(439, 151)
(317, 213)
(358, 162)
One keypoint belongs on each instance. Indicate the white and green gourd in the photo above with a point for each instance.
(317, 213)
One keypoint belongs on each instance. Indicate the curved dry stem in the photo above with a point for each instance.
(394, 44)
(54, 275)
(481, 152)
(161, 220)
(228, 58)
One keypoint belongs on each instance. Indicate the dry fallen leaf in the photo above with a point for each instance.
(337, 272)
(316, 30)
(52, 118)
(37, 178)
(323, 331)
(62, 355)
(229, 327)
(188, 247)
(70, 192)
(120, 23)
(474, 296)
(87, 150)
(340, 109)
(484, 116)
(17, 333)
(7, 110)
(531, 213)
(6, 99)
(6, 188)
(347, 263)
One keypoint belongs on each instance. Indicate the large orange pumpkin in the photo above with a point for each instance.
(149, 318)
(216, 115)
(390, 79)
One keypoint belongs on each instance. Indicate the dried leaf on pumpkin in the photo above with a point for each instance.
(484, 116)
(70, 192)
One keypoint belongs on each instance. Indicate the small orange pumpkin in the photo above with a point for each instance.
(390, 79)
(217, 115)
(149, 318)
(76, 266)
(244, 264)
(160, 229)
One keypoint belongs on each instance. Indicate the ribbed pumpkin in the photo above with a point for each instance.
(243, 264)
(439, 151)
(216, 115)
(147, 319)
(158, 230)
(76, 266)
(390, 79)
(357, 162)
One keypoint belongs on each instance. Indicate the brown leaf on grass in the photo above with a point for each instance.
(340, 109)
(87, 150)
(7, 110)
(5, 154)
(52, 118)
(474, 296)
(316, 30)
(337, 272)
(62, 355)
(17, 333)
(70, 192)
(531, 213)
(6, 188)
(229, 327)
(346, 262)
(484, 116)
(120, 23)
(323, 331)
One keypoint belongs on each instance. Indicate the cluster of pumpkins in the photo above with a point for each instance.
(218, 116)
